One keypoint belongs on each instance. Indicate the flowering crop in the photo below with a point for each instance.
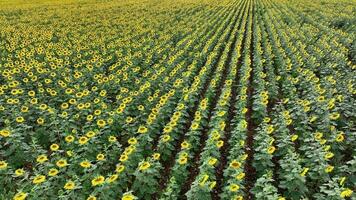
(231, 99)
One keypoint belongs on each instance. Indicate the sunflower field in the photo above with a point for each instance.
(177, 99)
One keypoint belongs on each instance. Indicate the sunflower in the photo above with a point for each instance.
(3, 165)
(70, 185)
(185, 145)
(329, 169)
(19, 172)
(20, 196)
(54, 147)
(212, 161)
(346, 193)
(235, 164)
(156, 156)
(240, 176)
(128, 196)
(132, 141)
(41, 158)
(220, 143)
(304, 172)
(83, 140)
(85, 164)
(91, 197)
(53, 172)
(101, 123)
(142, 129)
(119, 168)
(61, 163)
(99, 180)
(112, 178)
(143, 166)
(271, 149)
(294, 138)
(69, 138)
(20, 119)
(182, 160)
(234, 187)
(39, 179)
(100, 157)
(5, 133)
(112, 139)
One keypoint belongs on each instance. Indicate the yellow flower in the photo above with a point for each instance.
(221, 113)
(140, 107)
(240, 176)
(166, 138)
(5, 133)
(39, 179)
(91, 197)
(266, 119)
(20, 196)
(182, 160)
(342, 180)
(334, 116)
(220, 143)
(41, 158)
(203, 179)
(318, 135)
(304, 172)
(132, 141)
(19, 172)
(83, 140)
(234, 187)
(328, 155)
(129, 120)
(53, 172)
(271, 149)
(212, 161)
(142, 129)
(20, 119)
(128, 196)
(119, 168)
(112, 139)
(90, 134)
(85, 164)
(294, 138)
(69, 153)
(99, 180)
(61, 163)
(346, 193)
(156, 156)
(238, 197)
(235, 164)
(100, 156)
(244, 110)
(69, 138)
(101, 123)
(195, 126)
(70, 185)
(123, 158)
(329, 169)
(185, 145)
(270, 129)
(40, 121)
(144, 166)
(54, 147)
(112, 178)
(3, 165)
(340, 137)
(313, 119)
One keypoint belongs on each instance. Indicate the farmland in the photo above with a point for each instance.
(184, 99)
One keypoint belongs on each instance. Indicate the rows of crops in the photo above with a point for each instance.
(183, 99)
